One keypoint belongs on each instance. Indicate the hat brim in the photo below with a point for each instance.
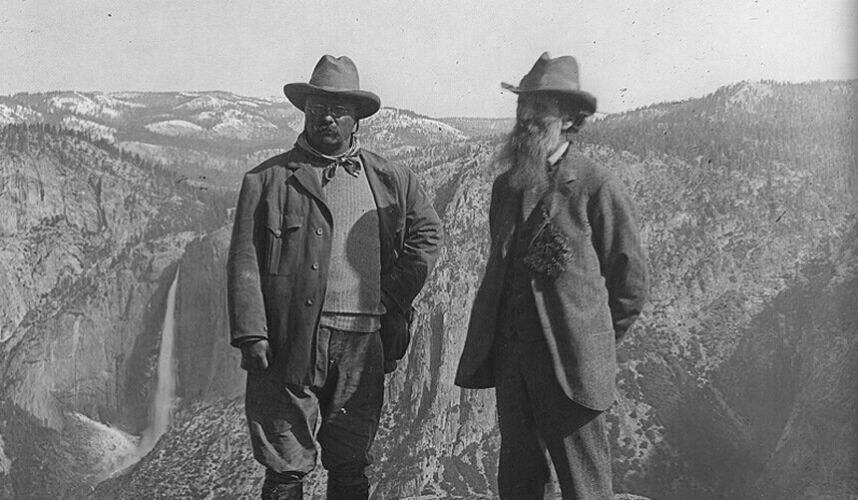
(585, 100)
(367, 103)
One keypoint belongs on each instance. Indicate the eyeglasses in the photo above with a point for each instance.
(324, 110)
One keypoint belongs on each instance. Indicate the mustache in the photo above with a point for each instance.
(327, 129)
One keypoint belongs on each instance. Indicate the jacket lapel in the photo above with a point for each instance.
(390, 218)
(567, 173)
(507, 220)
(309, 180)
(550, 202)
(529, 200)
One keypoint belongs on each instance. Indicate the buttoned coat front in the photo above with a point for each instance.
(278, 260)
(585, 310)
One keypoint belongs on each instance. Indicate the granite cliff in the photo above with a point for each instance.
(736, 383)
(89, 244)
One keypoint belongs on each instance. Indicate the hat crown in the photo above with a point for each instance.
(335, 73)
(560, 73)
(558, 76)
(334, 76)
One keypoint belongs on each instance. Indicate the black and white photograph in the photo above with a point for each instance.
(429, 250)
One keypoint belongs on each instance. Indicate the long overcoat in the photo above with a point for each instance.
(278, 261)
(585, 310)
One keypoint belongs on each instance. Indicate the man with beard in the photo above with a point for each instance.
(330, 245)
(565, 279)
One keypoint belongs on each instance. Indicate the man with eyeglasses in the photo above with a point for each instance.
(565, 279)
(330, 245)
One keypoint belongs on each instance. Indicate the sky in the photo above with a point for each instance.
(439, 57)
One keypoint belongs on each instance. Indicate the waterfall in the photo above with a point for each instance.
(162, 405)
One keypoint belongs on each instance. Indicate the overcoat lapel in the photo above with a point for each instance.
(529, 200)
(507, 219)
(307, 178)
(567, 173)
(390, 218)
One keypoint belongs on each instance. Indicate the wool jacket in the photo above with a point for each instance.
(278, 260)
(587, 308)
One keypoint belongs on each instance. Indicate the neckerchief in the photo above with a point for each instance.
(349, 161)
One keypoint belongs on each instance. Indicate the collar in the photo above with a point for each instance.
(349, 160)
(558, 153)
(564, 166)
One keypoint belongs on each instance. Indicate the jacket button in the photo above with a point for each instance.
(309, 302)
(315, 266)
(319, 231)
(277, 233)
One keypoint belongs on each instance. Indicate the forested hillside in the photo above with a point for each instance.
(738, 381)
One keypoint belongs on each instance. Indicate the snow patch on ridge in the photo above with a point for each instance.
(17, 114)
(115, 101)
(205, 102)
(239, 125)
(98, 130)
(395, 119)
(81, 104)
(95, 105)
(175, 128)
(120, 97)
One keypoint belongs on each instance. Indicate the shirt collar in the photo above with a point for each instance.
(558, 153)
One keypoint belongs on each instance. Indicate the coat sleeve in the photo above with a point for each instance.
(622, 259)
(420, 247)
(494, 205)
(244, 292)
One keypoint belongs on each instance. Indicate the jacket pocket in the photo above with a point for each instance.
(274, 245)
(278, 244)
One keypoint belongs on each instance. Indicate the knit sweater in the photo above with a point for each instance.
(353, 294)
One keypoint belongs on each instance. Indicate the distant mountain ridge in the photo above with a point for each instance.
(213, 137)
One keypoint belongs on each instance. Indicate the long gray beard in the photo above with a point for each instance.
(526, 152)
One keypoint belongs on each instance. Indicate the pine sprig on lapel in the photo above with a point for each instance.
(549, 251)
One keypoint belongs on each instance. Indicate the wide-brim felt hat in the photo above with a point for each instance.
(334, 76)
(558, 76)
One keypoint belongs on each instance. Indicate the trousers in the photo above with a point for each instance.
(541, 427)
(290, 423)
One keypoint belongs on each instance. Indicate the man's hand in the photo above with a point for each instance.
(255, 355)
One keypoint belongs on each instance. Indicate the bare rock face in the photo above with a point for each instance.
(736, 383)
(439, 440)
(72, 309)
(451, 442)
(800, 399)
(208, 367)
(88, 254)
(94, 359)
(76, 360)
